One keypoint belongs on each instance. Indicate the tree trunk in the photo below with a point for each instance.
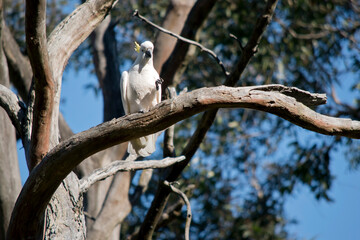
(174, 20)
(64, 215)
(10, 182)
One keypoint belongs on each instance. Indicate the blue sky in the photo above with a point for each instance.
(316, 219)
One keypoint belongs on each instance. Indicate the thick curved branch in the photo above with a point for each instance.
(60, 161)
(35, 27)
(120, 165)
(13, 107)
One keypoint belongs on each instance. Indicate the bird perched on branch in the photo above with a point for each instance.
(141, 90)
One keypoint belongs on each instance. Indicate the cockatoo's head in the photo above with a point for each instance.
(145, 50)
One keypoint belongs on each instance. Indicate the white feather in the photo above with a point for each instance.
(139, 93)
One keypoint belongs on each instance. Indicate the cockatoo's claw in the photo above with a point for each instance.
(158, 82)
(141, 111)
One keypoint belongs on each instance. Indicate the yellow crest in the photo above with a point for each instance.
(137, 47)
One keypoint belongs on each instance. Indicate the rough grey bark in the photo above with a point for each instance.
(9, 168)
(64, 217)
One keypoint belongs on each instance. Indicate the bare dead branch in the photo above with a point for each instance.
(188, 207)
(35, 26)
(192, 42)
(60, 161)
(120, 165)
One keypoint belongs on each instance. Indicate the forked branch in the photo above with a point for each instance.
(188, 207)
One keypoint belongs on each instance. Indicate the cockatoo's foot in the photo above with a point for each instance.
(158, 82)
(141, 111)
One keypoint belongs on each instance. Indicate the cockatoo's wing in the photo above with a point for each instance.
(124, 81)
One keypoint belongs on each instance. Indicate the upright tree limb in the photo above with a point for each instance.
(35, 27)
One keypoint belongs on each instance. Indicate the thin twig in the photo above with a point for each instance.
(202, 48)
(188, 207)
(120, 165)
(238, 41)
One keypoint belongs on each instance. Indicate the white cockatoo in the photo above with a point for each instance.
(141, 90)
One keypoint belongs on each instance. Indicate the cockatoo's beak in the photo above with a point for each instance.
(148, 53)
